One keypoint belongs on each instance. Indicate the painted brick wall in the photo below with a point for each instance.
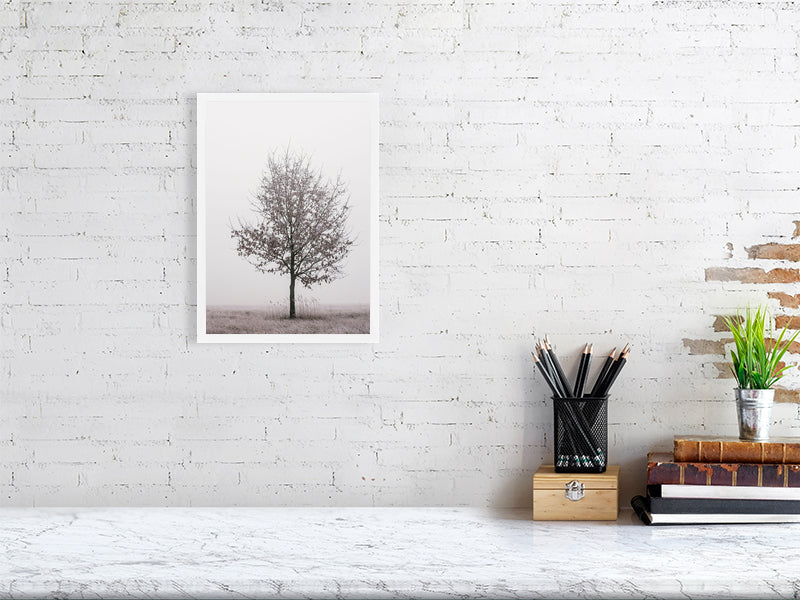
(606, 172)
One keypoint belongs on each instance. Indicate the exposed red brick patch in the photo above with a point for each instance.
(705, 346)
(783, 395)
(785, 252)
(794, 347)
(719, 322)
(752, 275)
(775, 252)
(723, 370)
(788, 321)
(786, 300)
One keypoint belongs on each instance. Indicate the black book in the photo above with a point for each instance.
(641, 506)
(710, 506)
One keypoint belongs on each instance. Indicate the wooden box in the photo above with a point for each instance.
(575, 496)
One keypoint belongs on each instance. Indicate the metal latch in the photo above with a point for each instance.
(573, 490)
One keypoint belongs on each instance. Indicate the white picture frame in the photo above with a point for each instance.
(336, 134)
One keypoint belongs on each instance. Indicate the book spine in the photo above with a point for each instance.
(639, 505)
(718, 451)
(730, 474)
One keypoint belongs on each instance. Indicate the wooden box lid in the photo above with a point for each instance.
(547, 479)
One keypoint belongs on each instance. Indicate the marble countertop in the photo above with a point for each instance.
(383, 553)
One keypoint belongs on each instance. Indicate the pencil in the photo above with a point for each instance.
(540, 353)
(601, 376)
(545, 374)
(582, 431)
(577, 455)
(559, 370)
(568, 443)
(614, 373)
(583, 370)
(614, 370)
(547, 359)
(579, 373)
(577, 445)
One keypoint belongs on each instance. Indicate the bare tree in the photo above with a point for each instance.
(301, 229)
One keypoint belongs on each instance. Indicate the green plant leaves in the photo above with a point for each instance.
(754, 365)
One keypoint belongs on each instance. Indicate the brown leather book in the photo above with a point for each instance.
(695, 448)
(663, 469)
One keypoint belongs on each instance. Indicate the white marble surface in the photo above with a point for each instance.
(382, 553)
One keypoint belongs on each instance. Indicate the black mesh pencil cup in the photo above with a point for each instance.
(581, 434)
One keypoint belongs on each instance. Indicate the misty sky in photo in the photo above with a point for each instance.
(240, 133)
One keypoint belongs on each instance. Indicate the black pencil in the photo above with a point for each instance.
(604, 386)
(540, 355)
(547, 365)
(583, 370)
(576, 440)
(614, 373)
(545, 374)
(577, 455)
(547, 360)
(559, 370)
(582, 439)
(582, 431)
(564, 460)
(581, 364)
(602, 375)
(574, 455)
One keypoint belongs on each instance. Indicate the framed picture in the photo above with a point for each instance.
(287, 218)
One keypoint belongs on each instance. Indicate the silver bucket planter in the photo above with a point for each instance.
(754, 408)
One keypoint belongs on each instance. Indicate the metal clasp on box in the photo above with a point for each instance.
(573, 490)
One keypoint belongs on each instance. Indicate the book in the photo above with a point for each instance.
(740, 492)
(663, 469)
(689, 448)
(706, 506)
(640, 506)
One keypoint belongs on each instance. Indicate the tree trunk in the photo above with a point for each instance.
(291, 299)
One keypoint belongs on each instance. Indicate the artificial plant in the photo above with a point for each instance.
(756, 356)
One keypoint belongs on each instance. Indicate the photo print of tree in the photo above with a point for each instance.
(287, 218)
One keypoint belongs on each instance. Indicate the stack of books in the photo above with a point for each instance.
(722, 480)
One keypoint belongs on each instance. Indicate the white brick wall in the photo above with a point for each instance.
(565, 167)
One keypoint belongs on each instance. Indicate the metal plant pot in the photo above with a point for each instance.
(754, 408)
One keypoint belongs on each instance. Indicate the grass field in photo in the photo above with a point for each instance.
(274, 319)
